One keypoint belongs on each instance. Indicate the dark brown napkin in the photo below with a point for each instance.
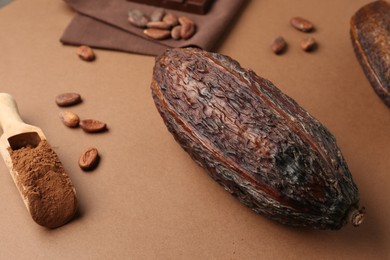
(104, 24)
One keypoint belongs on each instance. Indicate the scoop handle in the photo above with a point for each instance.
(9, 113)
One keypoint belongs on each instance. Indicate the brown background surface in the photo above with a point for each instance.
(148, 199)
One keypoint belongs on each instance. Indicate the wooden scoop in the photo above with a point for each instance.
(46, 189)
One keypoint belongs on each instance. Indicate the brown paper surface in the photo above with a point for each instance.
(147, 199)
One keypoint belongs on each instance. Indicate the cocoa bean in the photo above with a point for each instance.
(308, 44)
(68, 99)
(69, 119)
(89, 159)
(279, 45)
(184, 19)
(187, 30)
(138, 18)
(170, 19)
(93, 126)
(254, 140)
(301, 24)
(85, 53)
(158, 25)
(175, 32)
(188, 27)
(157, 15)
(157, 34)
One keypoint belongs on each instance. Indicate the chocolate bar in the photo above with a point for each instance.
(190, 6)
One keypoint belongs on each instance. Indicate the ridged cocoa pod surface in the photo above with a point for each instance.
(258, 143)
(370, 34)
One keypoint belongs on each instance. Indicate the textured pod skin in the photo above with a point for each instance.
(254, 140)
(370, 34)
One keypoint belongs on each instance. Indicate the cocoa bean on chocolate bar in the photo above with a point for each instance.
(257, 142)
(370, 34)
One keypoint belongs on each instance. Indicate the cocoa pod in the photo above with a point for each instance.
(370, 34)
(257, 142)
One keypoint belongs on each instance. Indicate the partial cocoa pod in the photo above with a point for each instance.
(370, 34)
(257, 142)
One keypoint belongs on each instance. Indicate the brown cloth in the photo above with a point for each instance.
(104, 24)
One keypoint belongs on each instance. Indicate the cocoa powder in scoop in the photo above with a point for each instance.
(44, 183)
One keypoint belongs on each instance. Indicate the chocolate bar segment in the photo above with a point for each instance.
(190, 6)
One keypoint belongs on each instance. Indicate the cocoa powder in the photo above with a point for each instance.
(43, 182)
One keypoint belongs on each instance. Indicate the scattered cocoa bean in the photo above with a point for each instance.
(138, 18)
(89, 159)
(85, 53)
(170, 19)
(158, 25)
(279, 45)
(308, 44)
(301, 24)
(157, 34)
(93, 126)
(175, 32)
(157, 15)
(68, 99)
(69, 119)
